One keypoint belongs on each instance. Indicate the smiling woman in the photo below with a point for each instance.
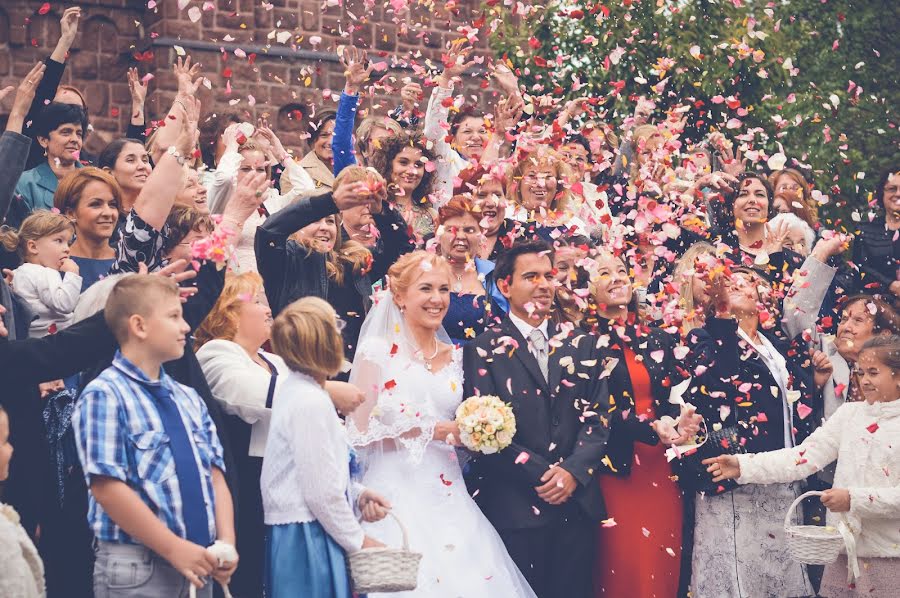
(129, 163)
(91, 199)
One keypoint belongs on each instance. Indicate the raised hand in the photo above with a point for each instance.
(138, 91)
(188, 76)
(455, 62)
(355, 71)
(187, 137)
(504, 77)
(411, 94)
(775, 237)
(24, 97)
(351, 195)
(508, 111)
(68, 29)
(831, 244)
(276, 150)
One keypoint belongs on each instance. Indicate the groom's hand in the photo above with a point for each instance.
(558, 486)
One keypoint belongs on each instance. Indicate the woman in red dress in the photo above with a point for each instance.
(639, 546)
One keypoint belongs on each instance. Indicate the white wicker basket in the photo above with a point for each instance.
(385, 569)
(812, 544)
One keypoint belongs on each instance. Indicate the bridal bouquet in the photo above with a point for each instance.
(486, 424)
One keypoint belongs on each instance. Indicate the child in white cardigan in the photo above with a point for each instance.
(309, 500)
(863, 438)
(43, 244)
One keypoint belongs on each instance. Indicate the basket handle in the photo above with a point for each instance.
(402, 530)
(797, 501)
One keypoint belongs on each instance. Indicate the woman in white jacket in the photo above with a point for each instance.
(862, 437)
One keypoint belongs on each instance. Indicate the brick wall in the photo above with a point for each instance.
(285, 79)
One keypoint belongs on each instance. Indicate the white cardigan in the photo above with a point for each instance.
(865, 440)
(306, 470)
(21, 568)
(50, 296)
(241, 385)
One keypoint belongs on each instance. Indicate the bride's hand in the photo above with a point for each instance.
(371, 543)
(447, 432)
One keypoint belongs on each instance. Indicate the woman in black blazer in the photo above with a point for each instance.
(876, 250)
(748, 385)
(641, 554)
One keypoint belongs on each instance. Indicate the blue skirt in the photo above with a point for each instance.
(303, 560)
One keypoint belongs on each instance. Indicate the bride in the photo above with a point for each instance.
(412, 377)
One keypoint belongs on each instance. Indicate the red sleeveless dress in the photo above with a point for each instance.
(640, 555)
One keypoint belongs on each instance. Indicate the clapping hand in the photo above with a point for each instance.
(374, 507)
(776, 236)
(558, 487)
(269, 140)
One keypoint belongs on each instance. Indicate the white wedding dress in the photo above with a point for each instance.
(463, 556)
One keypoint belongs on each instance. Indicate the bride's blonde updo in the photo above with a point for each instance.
(409, 267)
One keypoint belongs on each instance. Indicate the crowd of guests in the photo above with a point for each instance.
(180, 315)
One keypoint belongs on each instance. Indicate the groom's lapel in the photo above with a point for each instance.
(525, 356)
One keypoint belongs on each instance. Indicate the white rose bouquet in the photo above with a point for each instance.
(486, 424)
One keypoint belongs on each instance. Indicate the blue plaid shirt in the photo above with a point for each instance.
(120, 435)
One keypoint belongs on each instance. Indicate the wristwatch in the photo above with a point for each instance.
(172, 151)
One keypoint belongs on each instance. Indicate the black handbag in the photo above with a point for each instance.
(692, 474)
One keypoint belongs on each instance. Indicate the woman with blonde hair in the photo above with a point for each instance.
(309, 496)
(539, 195)
(794, 195)
(406, 435)
(692, 296)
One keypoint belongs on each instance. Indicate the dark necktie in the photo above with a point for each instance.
(196, 521)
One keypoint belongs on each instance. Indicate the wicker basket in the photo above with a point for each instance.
(812, 544)
(385, 569)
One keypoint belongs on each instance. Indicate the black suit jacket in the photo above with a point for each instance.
(557, 421)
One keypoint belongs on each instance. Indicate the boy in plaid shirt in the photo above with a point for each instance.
(151, 456)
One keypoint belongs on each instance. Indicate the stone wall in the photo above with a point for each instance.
(285, 79)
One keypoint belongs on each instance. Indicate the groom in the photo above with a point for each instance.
(540, 493)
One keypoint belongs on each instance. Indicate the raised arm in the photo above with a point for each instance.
(13, 145)
(155, 200)
(811, 283)
(356, 74)
(188, 77)
(137, 125)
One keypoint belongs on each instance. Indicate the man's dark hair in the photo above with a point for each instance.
(54, 115)
(506, 263)
(578, 139)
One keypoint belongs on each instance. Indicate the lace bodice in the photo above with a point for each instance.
(404, 400)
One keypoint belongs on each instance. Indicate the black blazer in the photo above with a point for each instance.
(733, 385)
(556, 422)
(31, 487)
(877, 255)
(625, 427)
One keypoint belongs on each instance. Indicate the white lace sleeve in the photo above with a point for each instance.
(396, 409)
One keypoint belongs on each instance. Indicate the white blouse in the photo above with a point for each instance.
(51, 296)
(306, 468)
(242, 386)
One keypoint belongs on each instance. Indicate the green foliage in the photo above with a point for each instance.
(774, 76)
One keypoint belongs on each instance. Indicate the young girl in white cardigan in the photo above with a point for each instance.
(49, 280)
(308, 496)
(864, 438)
